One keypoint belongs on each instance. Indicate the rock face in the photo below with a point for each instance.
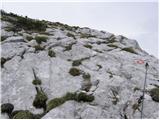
(115, 66)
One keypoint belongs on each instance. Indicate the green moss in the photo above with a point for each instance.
(15, 112)
(77, 62)
(51, 53)
(40, 39)
(88, 46)
(71, 35)
(79, 97)
(38, 48)
(40, 100)
(36, 82)
(130, 49)
(29, 38)
(25, 114)
(25, 23)
(74, 71)
(83, 35)
(7, 108)
(154, 93)
(86, 76)
(54, 103)
(84, 97)
(70, 96)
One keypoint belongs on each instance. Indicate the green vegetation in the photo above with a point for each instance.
(112, 45)
(40, 39)
(79, 97)
(51, 53)
(7, 108)
(24, 114)
(154, 93)
(29, 38)
(40, 99)
(71, 35)
(88, 46)
(38, 48)
(86, 76)
(77, 62)
(74, 71)
(84, 97)
(130, 49)
(83, 35)
(36, 82)
(25, 23)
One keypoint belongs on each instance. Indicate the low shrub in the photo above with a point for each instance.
(40, 100)
(130, 49)
(24, 114)
(83, 35)
(40, 39)
(86, 76)
(36, 82)
(38, 48)
(51, 53)
(29, 38)
(74, 71)
(77, 62)
(54, 103)
(88, 46)
(79, 97)
(154, 93)
(84, 97)
(7, 108)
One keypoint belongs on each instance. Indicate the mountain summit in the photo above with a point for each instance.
(53, 70)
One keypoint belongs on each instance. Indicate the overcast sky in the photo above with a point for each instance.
(135, 20)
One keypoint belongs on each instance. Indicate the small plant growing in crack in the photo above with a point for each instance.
(36, 82)
(7, 108)
(40, 39)
(86, 83)
(40, 99)
(74, 71)
(51, 53)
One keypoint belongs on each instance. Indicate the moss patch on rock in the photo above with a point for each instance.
(74, 71)
(130, 49)
(51, 53)
(40, 100)
(154, 93)
(7, 108)
(40, 39)
(36, 82)
(24, 114)
(79, 97)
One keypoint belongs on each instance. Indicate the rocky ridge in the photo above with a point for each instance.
(52, 70)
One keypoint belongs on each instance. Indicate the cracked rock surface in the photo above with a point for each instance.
(117, 70)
